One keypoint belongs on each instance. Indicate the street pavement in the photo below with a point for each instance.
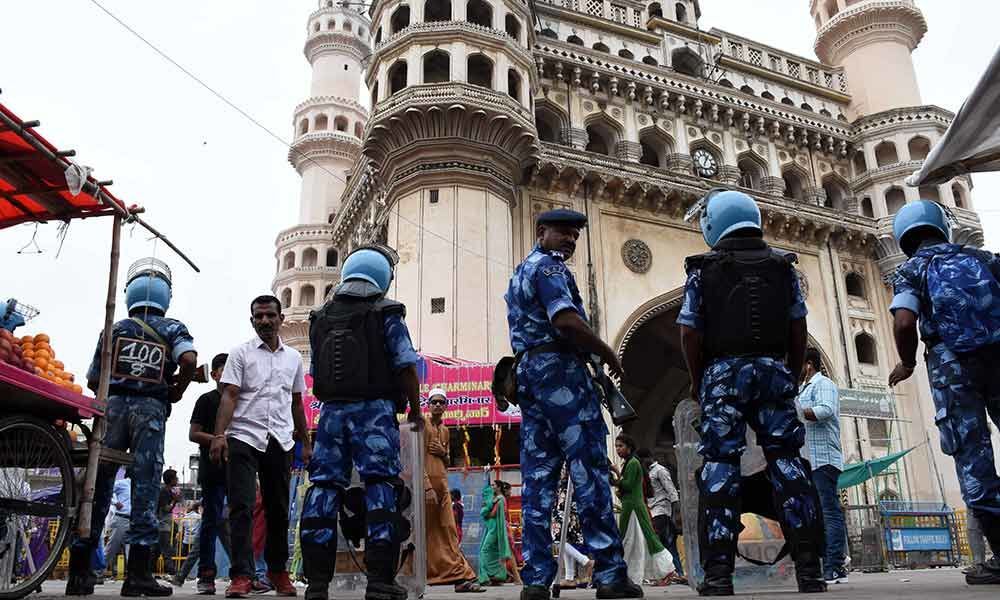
(931, 584)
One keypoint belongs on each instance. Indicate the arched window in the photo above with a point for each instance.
(895, 199)
(303, 126)
(286, 298)
(549, 123)
(359, 130)
(751, 173)
(289, 261)
(397, 77)
(601, 138)
(480, 71)
(919, 147)
(309, 257)
(855, 285)
(624, 53)
(574, 40)
(788, 101)
(437, 10)
(930, 192)
(347, 26)
(340, 123)
(601, 47)
(681, 12)
(655, 10)
(437, 67)
(885, 154)
(746, 89)
(866, 208)
(512, 26)
(841, 117)
(860, 164)
(549, 33)
(649, 60)
(361, 32)
(316, 26)
(806, 106)
(825, 113)
(656, 148)
(836, 194)
(378, 36)
(795, 188)
(331, 25)
(307, 295)
(958, 194)
(513, 84)
(767, 96)
(400, 19)
(331, 257)
(687, 61)
(864, 345)
(726, 83)
(321, 123)
(480, 13)
(374, 94)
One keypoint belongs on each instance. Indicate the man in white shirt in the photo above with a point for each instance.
(262, 416)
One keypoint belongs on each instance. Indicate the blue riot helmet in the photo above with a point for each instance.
(725, 211)
(148, 285)
(917, 215)
(373, 264)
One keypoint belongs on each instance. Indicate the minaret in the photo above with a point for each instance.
(873, 41)
(328, 129)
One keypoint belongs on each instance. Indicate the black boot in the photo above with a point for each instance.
(318, 567)
(808, 568)
(535, 592)
(619, 589)
(382, 558)
(139, 576)
(81, 580)
(718, 579)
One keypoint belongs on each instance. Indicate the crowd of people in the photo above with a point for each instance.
(748, 367)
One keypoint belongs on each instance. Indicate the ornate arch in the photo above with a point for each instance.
(647, 311)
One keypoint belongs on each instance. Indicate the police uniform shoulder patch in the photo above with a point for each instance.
(551, 270)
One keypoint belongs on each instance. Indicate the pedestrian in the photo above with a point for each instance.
(121, 511)
(361, 392)
(515, 559)
(170, 494)
(139, 400)
(560, 409)
(741, 364)
(818, 406)
(644, 554)
(953, 293)
(260, 417)
(494, 546)
(458, 512)
(665, 508)
(445, 562)
(211, 478)
(191, 538)
(576, 565)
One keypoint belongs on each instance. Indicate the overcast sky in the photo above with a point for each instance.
(218, 186)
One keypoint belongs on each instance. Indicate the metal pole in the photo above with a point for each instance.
(97, 435)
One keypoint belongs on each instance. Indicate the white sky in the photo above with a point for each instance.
(219, 187)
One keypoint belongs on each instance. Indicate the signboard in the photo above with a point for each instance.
(139, 360)
(906, 540)
(466, 383)
(867, 404)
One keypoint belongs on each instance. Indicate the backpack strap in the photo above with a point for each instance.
(152, 332)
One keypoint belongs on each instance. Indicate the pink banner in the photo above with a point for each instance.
(467, 385)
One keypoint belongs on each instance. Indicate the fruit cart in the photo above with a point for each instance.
(47, 478)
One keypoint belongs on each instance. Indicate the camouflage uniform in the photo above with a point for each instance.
(136, 421)
(735, 392)
(964, 386)
(363, 434)
(561, 420)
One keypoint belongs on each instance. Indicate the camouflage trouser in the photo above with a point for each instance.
(760, 392)
(364, 435)
(966, 389)
(136, 424)
(561, 420)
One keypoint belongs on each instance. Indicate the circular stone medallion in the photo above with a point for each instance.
(803, 283)
(637, 256)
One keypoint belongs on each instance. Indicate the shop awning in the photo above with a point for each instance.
(972, 142)
(33, 182)
(856, 473)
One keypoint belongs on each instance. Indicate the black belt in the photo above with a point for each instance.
(558, 346)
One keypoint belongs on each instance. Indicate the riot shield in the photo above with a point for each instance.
(761, 538)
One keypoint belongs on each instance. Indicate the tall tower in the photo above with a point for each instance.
(327, 142)
(872, 40)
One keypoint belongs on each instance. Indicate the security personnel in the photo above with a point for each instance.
(953, 292)
(743, 332)
(561, 416)
(147, 350)
(363, 363)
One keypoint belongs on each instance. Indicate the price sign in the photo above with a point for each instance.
(139, 360)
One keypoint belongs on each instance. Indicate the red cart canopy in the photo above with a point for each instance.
(33, 183)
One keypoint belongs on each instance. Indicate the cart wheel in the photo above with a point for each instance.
(37, 490)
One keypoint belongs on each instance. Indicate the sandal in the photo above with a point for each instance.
(469, 587)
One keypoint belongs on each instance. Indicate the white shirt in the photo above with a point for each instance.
(267, 381)
(664, 492)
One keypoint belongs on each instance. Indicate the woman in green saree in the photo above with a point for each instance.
(494, 551)
(644, 554)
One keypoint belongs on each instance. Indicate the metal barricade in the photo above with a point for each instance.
(919, 534)
(866, 545)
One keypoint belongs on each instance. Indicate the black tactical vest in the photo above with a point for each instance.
(350, 361)
(747, 295)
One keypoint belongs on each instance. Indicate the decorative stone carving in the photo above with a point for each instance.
(637, 256)
(627, 150)
(773, 185)
(803, 283)
(729, 174)
(574, 137)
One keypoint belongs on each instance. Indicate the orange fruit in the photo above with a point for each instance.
(58, 364)
(41, 362)
(28, 339)
(28, 353)
(76, 388)
(43, 346)
(59, 373)
(42, 337)
(43, 353)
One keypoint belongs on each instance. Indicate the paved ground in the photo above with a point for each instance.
(946, 584)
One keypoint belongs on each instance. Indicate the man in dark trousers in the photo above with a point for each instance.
(211, 478)
(743, 332)
(170, 494)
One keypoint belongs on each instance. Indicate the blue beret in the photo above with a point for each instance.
(562, 216)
